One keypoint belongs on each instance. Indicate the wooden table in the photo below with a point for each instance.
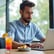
(15, 51)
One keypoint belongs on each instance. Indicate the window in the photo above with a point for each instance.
(2, 16)
(41, 14)
(14, 10)
(40, 17)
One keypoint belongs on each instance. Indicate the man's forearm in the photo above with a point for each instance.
(16, 44)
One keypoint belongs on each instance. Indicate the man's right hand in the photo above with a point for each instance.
(37, 45)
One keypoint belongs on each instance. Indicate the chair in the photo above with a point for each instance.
(2, 43)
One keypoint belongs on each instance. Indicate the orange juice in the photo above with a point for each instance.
(8, 43)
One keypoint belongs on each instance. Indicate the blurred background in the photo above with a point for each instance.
(9, 11)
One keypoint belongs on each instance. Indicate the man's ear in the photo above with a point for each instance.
(20, 11)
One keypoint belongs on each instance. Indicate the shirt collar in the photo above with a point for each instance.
(20, 22)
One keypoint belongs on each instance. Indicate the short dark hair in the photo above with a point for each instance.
(26, 3)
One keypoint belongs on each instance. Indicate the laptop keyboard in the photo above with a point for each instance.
(41, 49)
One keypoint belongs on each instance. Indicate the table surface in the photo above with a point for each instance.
(15, 51)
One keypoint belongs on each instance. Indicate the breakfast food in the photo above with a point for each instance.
(23, 46)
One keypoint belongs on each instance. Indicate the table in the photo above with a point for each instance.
(15, 51)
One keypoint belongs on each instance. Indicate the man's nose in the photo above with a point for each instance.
(30, 15)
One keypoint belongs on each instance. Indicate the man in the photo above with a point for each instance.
(22, 30)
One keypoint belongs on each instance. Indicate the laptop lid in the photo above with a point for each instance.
(49, 42)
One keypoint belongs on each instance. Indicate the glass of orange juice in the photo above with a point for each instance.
(8, 43)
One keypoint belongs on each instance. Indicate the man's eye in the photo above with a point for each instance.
(32, 12)
(29, 12)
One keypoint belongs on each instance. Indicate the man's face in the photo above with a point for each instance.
(27, 14)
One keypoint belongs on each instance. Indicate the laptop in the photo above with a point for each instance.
(49, 42)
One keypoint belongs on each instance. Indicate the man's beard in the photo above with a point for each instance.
(26, 20)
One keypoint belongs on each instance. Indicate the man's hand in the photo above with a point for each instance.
(36, 45)
(15, 44)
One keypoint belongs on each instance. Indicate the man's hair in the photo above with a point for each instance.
(26, 3)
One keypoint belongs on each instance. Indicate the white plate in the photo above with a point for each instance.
(24, 49)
